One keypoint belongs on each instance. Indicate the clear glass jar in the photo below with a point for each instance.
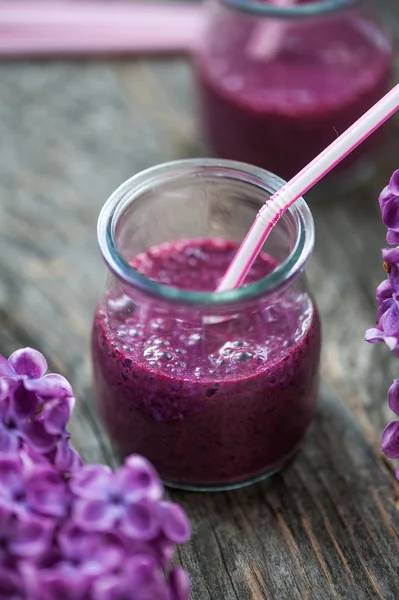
(278, 84)
(216, 389)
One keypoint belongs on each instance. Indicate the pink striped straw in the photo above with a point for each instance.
(268, 34)
(301, 183)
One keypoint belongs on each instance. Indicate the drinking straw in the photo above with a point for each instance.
(268, 34)
(301, 183)
(40, 27)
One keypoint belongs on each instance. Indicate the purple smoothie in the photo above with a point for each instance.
(208, 404)
(282, 112)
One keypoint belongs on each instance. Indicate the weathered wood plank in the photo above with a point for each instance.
(326, 527)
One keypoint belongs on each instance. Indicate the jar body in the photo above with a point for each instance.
(276, 92)
(215, 397)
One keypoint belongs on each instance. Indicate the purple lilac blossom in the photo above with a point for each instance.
(34, 407)
(70, 531)
(393, 397)
(390, 440)
(387, 329)
(387, 326)
(129, 499)
(389, 204)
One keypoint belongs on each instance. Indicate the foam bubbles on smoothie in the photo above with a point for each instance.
(195, 256)
(148, 353)
(154, 363)
(236, 352)
(164, 356)
(167, 342)
(227, 351)
(121, 308)
(198, 373)
(127, 348)
(238, 344)
(134, 332)
(161, 324)
(192, 339)
(242, 358)
(180, 364)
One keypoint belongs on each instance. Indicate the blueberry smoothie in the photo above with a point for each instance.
(280, 112)
(209, 403)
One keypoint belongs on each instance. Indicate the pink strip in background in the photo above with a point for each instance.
(46, 28)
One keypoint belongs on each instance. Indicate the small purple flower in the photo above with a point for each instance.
(389, 204)
(373, 336)
(20, 425)
(175, 525)
(93, 552)
(179, 583)
(384, 291)
(141, 574)
(65, 459)
(11, 585)
(393, 397)
(25, 490)
(160, 548)
(10, 433)
(390, 440)
(11, 482)
(48, 428)
(117, 588)
(387, 329)
(32, 459)
(55, 415)
(61, 582)
(29, 366)
(127, 498)
(25, 362)
(164, 550)
(46, 493)
(34, 407)
(390, 257)
(24, 536)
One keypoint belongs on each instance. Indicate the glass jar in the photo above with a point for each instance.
(277, 84)
(216, 389)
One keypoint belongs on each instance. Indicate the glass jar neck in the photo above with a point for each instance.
(225, 187)
(305, 9)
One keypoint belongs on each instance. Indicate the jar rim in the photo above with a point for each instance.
(306, 9)
(293, 264)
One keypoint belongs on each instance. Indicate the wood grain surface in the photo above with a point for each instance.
(327, 527)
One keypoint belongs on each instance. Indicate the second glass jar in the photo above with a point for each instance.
(277, 85)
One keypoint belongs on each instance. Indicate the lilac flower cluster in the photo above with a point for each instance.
(387, 327)
(70, 531)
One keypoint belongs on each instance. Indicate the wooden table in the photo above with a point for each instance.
(328, 525)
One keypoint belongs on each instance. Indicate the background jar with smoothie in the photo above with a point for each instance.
(278, 83)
